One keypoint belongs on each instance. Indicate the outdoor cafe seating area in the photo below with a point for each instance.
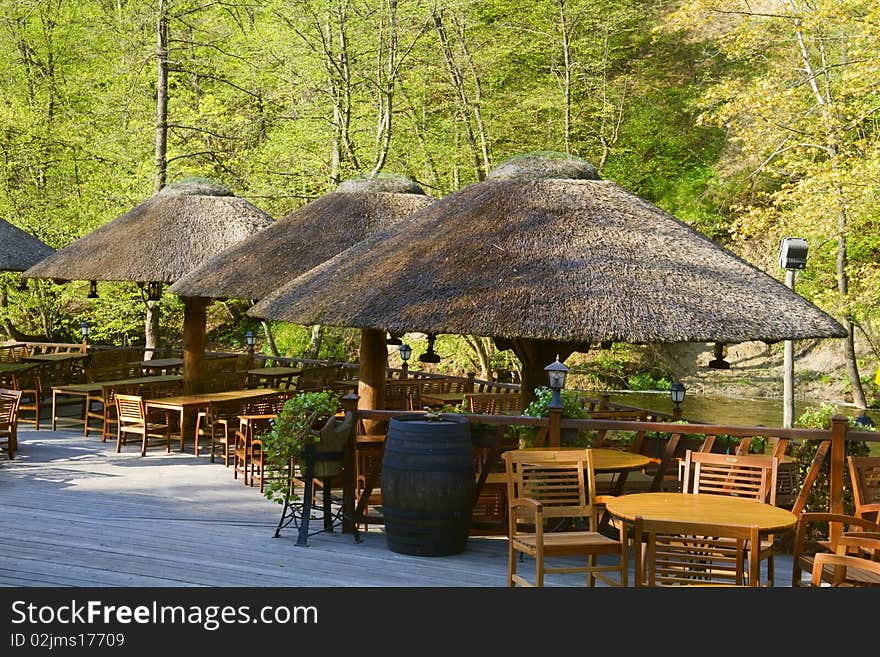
(562, 509)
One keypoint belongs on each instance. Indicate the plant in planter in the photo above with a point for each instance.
(572, 407)
(300, 421)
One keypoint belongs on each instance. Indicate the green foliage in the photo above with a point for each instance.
(644, 381)
(298, 422)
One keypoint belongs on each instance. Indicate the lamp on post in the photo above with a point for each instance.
(250, 340)
(93, 290)
(792, 256)
(677, 392)
(85, 329)
(556, 373)
(154, 291)
(429, 356)
(405, 353)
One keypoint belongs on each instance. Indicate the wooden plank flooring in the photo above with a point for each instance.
(75, 513)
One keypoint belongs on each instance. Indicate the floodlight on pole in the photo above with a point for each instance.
(792, 256)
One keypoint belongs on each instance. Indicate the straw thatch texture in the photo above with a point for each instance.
(163, 238)
(299, 241)
(562, 260)
(19, 249)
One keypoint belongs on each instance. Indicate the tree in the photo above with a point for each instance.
(800, 101)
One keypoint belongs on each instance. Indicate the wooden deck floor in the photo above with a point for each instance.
(77, 514)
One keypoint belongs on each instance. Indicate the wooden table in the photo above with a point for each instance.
(274, 377)
(52, 358)
(443, 398)
(10, 368)
(85, 389)
(185, 404)
(160, 365)
(701, 507)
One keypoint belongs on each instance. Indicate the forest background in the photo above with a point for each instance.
(749, 120)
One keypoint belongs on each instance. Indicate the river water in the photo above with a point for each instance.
(716, 409)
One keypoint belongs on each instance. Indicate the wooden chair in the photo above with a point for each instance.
(807, 547)
(403, 395)
(30, 384)
(132, 419)
(546, 489)
(751, 476)
(218, 425)
(856, 562)
(674, 553)
(9, 401)
(864, 474)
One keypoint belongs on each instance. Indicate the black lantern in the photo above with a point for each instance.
(676, 391)
(93, 290)
(405, 352)
(85, 329)
(864, 422)
(718, 362)
(154, 291)
(429, 356)
(250, 340)
(556, 374)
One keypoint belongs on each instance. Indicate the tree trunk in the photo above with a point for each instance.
(151, 323)
(373, 361)
(270, 339)
(849, 348)
(315, 341)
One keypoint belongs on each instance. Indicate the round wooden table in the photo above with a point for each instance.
(701, 507)
(614, 460)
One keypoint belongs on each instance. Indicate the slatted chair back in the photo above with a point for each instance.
(673, 553)
(557, 479)
(9, 401)
(492, 403)
(159, 389)
(30, 383)
(403, 395)
(132, 418)
(864, 473)
(752, 476)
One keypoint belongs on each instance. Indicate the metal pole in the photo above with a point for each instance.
(788, 369)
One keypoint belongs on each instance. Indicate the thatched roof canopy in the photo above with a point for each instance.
(19, 249)
(304, 238)
(163, 238)
(540, 257)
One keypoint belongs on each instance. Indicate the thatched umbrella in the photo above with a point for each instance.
(19, 249)
(303, 239)
(159, 241)
(547, 258)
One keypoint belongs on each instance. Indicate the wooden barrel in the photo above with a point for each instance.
(427, 485)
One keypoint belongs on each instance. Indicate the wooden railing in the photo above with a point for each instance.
(549, 433)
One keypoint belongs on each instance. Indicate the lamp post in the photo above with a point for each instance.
(405, 353)
(677, 392)
(792, 256)
(85, 329)
(556, 374)
(93, 290)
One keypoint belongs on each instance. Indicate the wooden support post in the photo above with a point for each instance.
(193, 343)
(555, 430)
(838, 457)
(469, 386)
(349, 473)
(373, 366)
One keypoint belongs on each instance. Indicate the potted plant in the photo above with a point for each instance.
(300, 422)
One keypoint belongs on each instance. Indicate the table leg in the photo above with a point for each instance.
(54, 416)
(181, 432)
